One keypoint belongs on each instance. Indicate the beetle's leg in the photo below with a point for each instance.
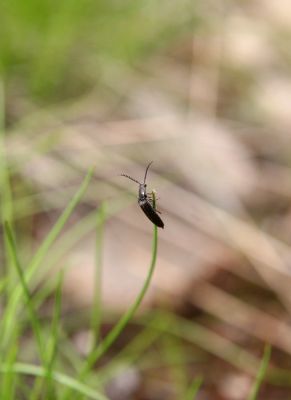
(151, 201)
(150, 197)
(157, 198)
(152, 204)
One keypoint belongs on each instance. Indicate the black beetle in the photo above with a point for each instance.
(145, 202)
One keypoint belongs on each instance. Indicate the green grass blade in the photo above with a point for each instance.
(5, 189)
(6, 196)
(32, 314)
(53, 234)
(8, 380)
(124, 320)
(53, 345)
(15, 297)
(75, 232)
(132, 353)
(6, 201)
(65, 380)
(96, 309)
(194, 388)
(261, 373)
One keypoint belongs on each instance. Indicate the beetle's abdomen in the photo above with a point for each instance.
(151, 213)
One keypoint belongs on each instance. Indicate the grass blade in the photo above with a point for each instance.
(194, 388)
(32, 314)
(261, 373)
(5, 188)
(15, 296)
(53, 345)
(65, 380)
(6, 203)
(8, 382)
(124, 320)
(96, 309)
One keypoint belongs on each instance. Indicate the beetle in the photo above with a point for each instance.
(145, 202)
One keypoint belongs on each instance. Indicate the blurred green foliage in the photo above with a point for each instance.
(54, 50)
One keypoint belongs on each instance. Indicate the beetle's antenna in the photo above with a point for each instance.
(145, 175)
(129, 177)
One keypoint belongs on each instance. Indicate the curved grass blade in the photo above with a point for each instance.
(124, 320)
(65, 380)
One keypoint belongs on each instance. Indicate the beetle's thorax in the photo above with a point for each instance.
(142, 192)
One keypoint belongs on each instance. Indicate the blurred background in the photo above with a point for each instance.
(202, 89)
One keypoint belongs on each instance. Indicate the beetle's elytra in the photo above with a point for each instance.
(145, 202)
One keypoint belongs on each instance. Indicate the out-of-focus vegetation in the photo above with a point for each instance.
(60, 50)
(203, 90)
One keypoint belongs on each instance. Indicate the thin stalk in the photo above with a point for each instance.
(124, 320)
